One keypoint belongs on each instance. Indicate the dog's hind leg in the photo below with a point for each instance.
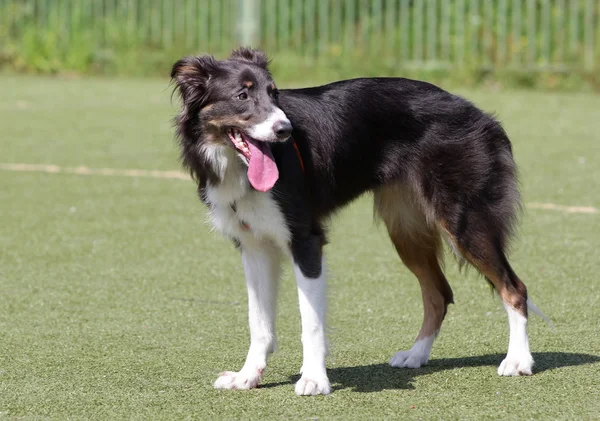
(483, 249)
(418, 245)
(262, 266)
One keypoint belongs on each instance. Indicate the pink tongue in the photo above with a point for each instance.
(262, 170)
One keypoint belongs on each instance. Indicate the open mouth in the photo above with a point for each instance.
(240, 142)
(262, 169)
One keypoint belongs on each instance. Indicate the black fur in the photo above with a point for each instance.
(355, 136)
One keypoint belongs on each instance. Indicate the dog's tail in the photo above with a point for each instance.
(533, 308)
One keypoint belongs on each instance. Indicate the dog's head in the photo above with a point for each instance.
(230, 103)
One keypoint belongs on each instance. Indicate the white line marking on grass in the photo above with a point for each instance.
(561, 208)
(178, 175)
(82, 170)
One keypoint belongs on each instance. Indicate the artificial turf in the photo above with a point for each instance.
(117, 301)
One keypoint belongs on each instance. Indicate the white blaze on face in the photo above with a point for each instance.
(264, 131)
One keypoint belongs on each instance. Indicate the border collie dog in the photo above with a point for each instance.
(272, 166)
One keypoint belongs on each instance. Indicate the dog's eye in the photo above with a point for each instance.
(275, 93)
(243, 96)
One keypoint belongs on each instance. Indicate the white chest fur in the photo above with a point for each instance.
(241, 212)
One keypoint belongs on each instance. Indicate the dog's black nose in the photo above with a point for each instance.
(283, 129)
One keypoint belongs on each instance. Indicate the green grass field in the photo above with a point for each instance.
(117, 301)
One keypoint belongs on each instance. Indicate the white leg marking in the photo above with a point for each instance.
(313, 302)
(518, 361)
(415, 357)
(262, 268)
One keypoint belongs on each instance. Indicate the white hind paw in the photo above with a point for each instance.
(409, 359)
(415, 357)
(516, 366)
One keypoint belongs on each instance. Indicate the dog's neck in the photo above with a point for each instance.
(232, 174)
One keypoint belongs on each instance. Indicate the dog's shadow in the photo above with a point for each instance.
(378, 377)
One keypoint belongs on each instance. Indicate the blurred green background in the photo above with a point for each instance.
(535, 43)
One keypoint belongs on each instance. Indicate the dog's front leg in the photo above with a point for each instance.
(262, 266)
(313, 302)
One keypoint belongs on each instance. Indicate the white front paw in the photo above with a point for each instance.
(409, 359)
(242, 380)
(520, 365)
(307, 386)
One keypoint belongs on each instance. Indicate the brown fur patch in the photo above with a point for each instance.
(220, 122)
(419, 246)
(187, 69)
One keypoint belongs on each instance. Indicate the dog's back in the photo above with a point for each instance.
(362, 134)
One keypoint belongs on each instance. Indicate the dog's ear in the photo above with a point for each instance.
(191, 75)
(253, 56)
